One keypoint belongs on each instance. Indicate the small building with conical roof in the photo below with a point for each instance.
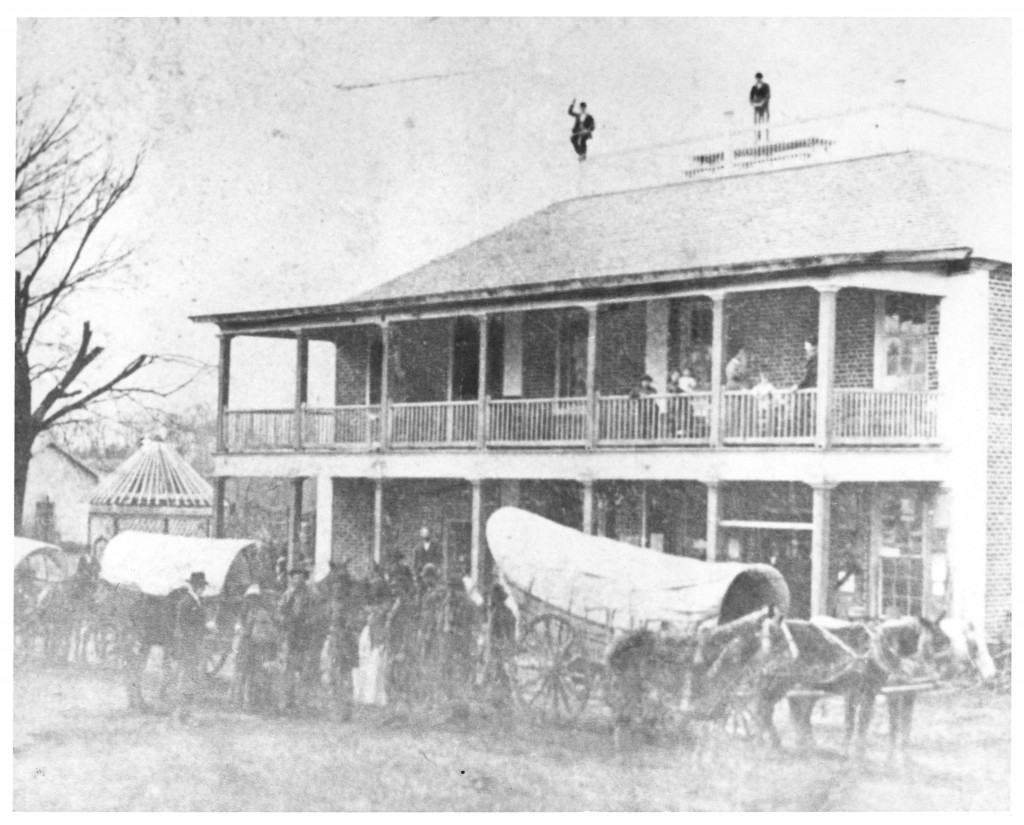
(155, 491)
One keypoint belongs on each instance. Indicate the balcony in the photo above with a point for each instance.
(859, 417)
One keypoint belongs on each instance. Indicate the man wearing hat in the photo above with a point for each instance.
(297, 621)
(760, 94)
(189, 629)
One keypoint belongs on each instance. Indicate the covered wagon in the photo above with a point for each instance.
(576, 594)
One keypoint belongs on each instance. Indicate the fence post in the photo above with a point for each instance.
(223, 391)
(301, 382)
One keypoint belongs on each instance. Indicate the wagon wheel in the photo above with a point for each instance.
(552, 676)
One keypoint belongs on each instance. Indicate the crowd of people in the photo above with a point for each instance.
(406, 636)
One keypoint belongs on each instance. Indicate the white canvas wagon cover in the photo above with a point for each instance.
(606, 581)
(157, 563)
(42, 558)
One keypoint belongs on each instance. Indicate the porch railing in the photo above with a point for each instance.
(347, 425)
(529, 421)
(654, 418)
(884, 416)
(433, 422)
(257, 430)
(787, 416)
(859, 417)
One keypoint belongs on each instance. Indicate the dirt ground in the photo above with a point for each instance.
(76, 747)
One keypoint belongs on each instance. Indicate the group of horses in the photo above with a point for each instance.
(744, 669)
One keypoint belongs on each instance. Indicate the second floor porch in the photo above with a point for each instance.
(813, 364)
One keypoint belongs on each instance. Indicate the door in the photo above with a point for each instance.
(788, 551)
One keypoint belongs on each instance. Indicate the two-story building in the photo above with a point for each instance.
(501, 373)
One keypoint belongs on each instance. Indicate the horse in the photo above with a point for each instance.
(651, 673)
(890, 653)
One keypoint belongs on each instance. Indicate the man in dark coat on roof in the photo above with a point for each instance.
(582, 130)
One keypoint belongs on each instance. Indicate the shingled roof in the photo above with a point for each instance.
(885, 207)
(154, 476)
(886, 203)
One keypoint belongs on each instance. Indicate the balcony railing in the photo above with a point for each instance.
(259, 430)
(654, 418)
(884, 417)
(859, 417)
(772, 417)
(534, 421)
(340, 426)
(433, 422)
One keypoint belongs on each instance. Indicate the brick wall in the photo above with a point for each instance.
(352, 529)
(855, 338)
(772, 325)
(419, 360)
(560, 501)
(351, 365)
(621, 333)
(998, 556)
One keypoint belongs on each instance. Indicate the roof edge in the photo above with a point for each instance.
(568, 287)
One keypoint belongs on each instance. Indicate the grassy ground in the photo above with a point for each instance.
(76, 747)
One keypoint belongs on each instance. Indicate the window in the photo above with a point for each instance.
(901, 552)
(902, 341)
(46, 522)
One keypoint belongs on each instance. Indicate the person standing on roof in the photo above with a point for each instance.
(760, 95)
(582, 130)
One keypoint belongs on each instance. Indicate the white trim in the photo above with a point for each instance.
(766, 525)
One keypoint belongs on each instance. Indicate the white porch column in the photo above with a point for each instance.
(295, 526)
(378, 518)
(301, 382)
(219, 490)
(476, 530)
(717, 364)
(481, 418)
(714, 516)
(385, 390)
(324, 526)
(826, 361)
(592, 425)
(588, 506)
(223, 391)
(821, 521)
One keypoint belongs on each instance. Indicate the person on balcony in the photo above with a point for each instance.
(582, 130)
(762, 392)
(647, 412)
(810, 379)
(760, 95)
(737, 371)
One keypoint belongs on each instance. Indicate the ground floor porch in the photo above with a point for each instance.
(852, 549)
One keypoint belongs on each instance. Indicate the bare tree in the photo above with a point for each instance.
(62, 194)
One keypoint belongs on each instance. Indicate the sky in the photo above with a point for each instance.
(266, 183)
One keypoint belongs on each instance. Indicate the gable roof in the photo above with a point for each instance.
(154, 476)
(906, 201)
(77, 463)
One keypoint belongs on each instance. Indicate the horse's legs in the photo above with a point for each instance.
(800, 714)
(866, 703)
(134, 667)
